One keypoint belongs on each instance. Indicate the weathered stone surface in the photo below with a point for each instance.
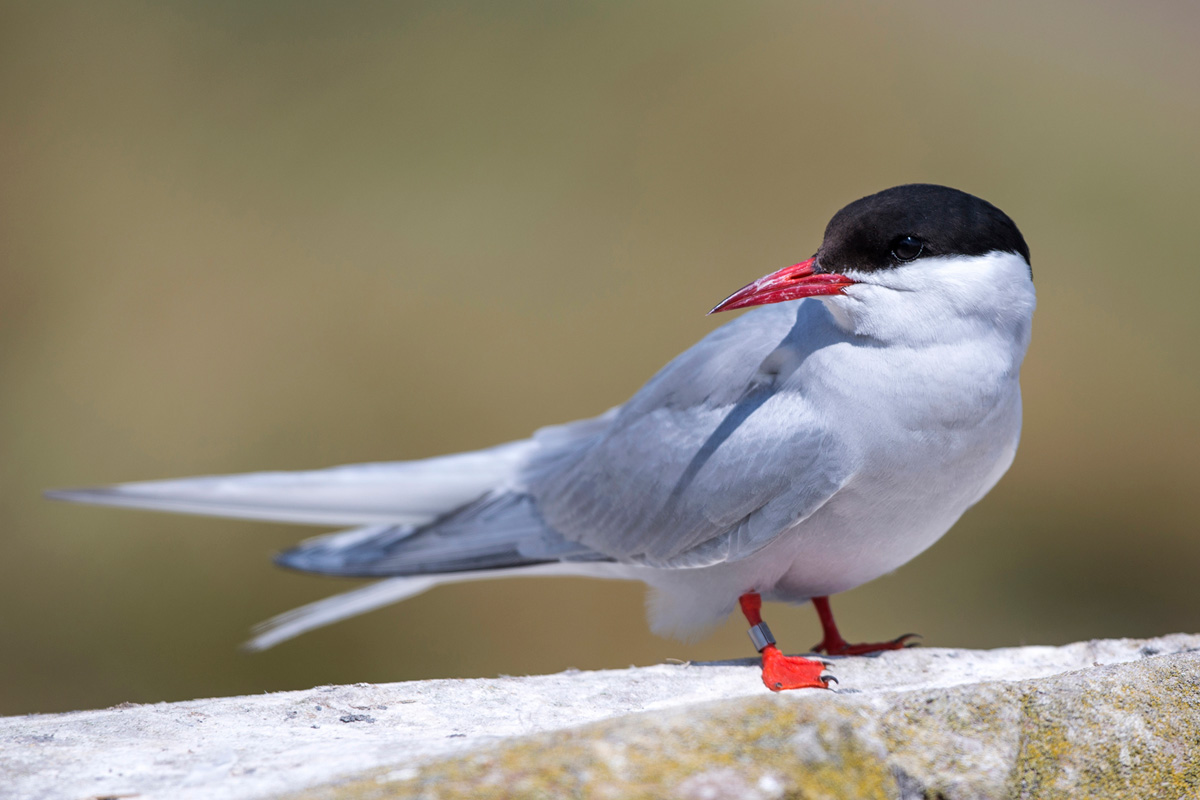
(1106, 719)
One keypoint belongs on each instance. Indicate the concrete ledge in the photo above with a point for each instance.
(1117, 718)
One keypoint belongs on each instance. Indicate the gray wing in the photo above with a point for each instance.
(715, 457)
(709, 462)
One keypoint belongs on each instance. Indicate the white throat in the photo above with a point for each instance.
(938, 300)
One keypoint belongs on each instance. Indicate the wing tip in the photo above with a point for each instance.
(297, 558)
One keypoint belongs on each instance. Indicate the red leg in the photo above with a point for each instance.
(780, 672)
(833, 644)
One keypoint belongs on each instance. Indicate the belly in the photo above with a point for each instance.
(890, 514)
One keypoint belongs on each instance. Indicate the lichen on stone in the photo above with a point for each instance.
(1129, 730)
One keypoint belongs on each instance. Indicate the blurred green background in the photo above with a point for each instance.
(244, 236)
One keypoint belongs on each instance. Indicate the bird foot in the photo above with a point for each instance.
(840, 647)
(780, 672)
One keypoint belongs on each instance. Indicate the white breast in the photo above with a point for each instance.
(925, 390)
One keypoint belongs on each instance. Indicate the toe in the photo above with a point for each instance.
(781, 673)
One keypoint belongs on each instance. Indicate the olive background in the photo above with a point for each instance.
(246, 236)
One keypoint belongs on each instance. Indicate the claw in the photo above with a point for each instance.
(828, 678)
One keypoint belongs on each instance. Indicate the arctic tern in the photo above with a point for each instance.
(801, 450)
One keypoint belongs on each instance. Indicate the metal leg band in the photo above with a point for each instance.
(760, 634)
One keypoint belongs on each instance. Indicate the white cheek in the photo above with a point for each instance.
(937, 299)
(868, 310)
(840, 307)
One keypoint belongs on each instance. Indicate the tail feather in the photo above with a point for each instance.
(403, 492)
(441, 520)
(329, 610)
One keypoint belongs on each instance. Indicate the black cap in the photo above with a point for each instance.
(918, 220)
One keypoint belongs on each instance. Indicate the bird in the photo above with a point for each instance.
(814, 443)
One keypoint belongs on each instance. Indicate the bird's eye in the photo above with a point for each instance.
(907, 248)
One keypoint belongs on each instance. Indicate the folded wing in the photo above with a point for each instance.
(713, 459)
